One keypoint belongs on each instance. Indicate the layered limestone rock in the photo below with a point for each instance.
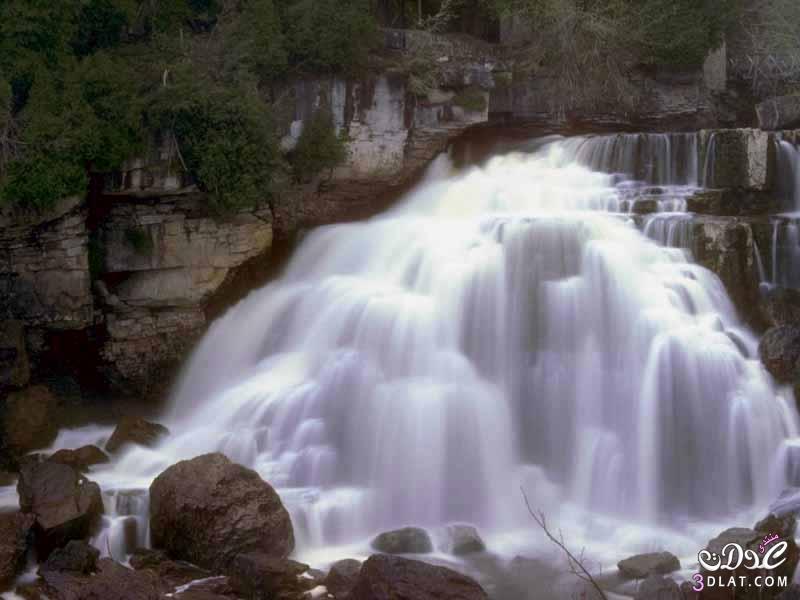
(782, 112)
(44, 267)
(738, 158)
(163, 258)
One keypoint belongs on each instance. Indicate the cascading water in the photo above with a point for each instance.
(498, 328)
(788, 171)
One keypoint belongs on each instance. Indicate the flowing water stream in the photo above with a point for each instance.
(504, 326)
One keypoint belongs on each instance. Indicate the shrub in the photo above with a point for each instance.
(318, 148)
(330, 35)
(225, 137)
(139, 240)
(471, 99)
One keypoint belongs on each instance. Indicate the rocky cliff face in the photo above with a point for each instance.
(133, 270)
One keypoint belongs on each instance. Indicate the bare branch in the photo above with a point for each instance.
(575, 564)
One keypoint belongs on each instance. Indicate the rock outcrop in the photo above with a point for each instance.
(738, 158)
(782, 112)
(209, 510)
(462, 539)
(385, 577)
(342, 577)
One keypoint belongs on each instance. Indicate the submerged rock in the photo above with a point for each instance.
(133, 430)
(65, 504)
(81, 458)
(209, 510)
(343, 577)
(28, 420)
(784, 526)
(408, 540)
(463, 539)
(14, 536)
(779, 350)
(385, 577)
(642, 566)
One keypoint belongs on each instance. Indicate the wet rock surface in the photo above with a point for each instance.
(134, 430)
(14, 366)
(65, 504)
(779, 350)
(342, 577)
(81, 458)
(408, 540)
(781, 112)
(385, 577)
(463, 539)
(642, 566)
(209, 510)
(261, 577)
(15, 530)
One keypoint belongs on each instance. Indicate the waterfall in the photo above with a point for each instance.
(503, 326)
(788, 174)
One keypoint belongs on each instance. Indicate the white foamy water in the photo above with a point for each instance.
(497, 329)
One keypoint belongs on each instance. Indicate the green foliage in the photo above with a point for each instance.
(38, 182)
(680, 32)
(472, 99)
(318, 148)
(257, 44)
(139, 240)
(225, 137)
(100, 25)
(97, 254)
(330, 35)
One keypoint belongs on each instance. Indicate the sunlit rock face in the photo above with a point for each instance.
(505, 326)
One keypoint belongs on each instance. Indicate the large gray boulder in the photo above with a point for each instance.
(342, 577)
(66, 506)
(781, 112)
(461, 539)
(657, 587)
(408, 540)
(642, 566)
(209, 510)
(385, 577)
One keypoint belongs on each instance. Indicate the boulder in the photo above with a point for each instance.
(779, 350)
(781, 112)
(463, 539)
(790, 593)
(14, 536)
(258, 576)
(784, 526)
(147, 558)
(208, 510)
(111, 580)
(408, 540)
(65, 504)
(657, 587)
(76, 557)
(133, 430)
(81, 458)
(386, 577)
(14, 368)
(28, 420)
(642, 566)
(738, 158)
(342, 577)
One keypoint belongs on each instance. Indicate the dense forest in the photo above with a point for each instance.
(84, 84)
